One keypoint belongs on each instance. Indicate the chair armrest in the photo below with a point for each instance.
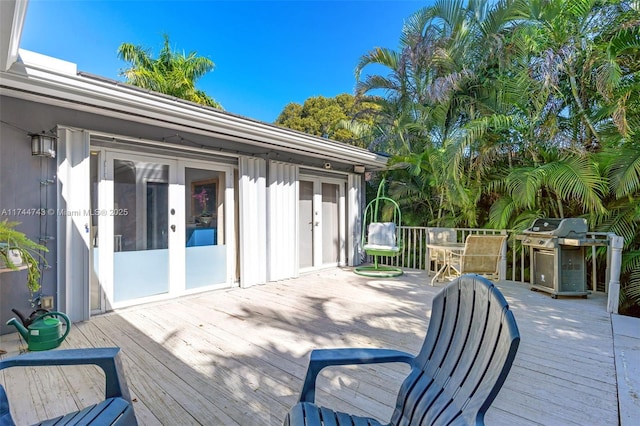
(321, 358)
(108, 359)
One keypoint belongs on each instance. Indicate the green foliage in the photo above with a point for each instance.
(499, 113)
(172, 73)
(334, 118)
(13, 240)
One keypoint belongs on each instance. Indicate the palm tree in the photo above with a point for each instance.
(439, 97)
(172, 73)
(499, 113)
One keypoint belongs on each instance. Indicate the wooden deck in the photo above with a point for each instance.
(237, 357)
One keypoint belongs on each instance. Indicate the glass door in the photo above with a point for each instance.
(205, 249)
(162, 227)
(139, 225)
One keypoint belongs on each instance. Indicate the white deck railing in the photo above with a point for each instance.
(604, 268)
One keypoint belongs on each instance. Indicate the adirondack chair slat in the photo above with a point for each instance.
(447, 333)
(112, 408)
(402, 405)
(309, 414)
(104, 413)
(329, 417)
(467, 353)
(475, 360)
(344, 419)
(312, 415)
(434, 399)
(296, 416)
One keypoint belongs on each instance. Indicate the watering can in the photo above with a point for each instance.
(44, 331)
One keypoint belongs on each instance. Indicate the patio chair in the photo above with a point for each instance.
(467, 353)
(481, 256)
(116, 409)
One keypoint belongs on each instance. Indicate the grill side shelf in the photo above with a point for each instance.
(582, 242)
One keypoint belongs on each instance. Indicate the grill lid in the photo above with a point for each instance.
(563, 228)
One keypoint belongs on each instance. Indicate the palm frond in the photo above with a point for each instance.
(501, 212)
(577, 178)
(625, 172)
(380, 56)
(523, 184)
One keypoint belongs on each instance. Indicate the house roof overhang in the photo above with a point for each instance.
(12, 14)
(38, 78)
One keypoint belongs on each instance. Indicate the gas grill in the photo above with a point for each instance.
(557, 256)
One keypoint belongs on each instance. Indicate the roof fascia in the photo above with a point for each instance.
(81, 93)
(12, 16)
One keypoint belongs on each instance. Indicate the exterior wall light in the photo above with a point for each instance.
(43, 144)
(358, 169)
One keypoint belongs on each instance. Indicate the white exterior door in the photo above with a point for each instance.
(208, 223)
(161, 228)
(138, 235)
(321, 207)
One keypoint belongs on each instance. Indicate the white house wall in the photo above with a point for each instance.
(74, 224)
(355, 197)
(253, 221)
(282, 221)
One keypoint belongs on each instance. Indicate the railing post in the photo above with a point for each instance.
(502, 273)
(616, 244)
(427, 252)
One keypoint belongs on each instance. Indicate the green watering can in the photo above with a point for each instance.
(44, 332)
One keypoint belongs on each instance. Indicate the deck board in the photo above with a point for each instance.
(238, 356)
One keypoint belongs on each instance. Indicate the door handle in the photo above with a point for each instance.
(173, 228)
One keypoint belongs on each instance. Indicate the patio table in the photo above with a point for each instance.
(446, 248)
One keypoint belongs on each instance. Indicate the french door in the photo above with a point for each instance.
(321, 222)
(141, 225)
(158, 228)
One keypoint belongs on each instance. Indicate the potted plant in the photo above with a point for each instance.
(18, 252)
(202, 198)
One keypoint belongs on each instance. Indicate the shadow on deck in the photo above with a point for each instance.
(238, 356)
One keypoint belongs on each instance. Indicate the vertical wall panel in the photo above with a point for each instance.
(355, 200)
(73, 224)
(253, 222)
(282, 221)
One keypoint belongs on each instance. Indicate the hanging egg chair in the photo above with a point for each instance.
(379, 238)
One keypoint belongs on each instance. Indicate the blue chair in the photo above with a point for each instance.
(116, 409)
(466, 356)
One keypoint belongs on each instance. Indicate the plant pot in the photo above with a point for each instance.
(206, 220)
(13, 256)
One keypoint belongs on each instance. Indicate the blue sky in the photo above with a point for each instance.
(267, 53)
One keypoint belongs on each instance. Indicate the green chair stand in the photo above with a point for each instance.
(380, 238)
